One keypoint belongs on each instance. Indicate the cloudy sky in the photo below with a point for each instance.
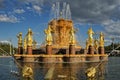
(19, 15)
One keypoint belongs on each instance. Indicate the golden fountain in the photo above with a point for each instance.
(61, 44)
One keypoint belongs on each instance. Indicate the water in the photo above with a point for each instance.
(61, 71)
(60, 11)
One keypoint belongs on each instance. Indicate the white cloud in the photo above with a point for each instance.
(19, 11)
(37, 8)
(6, 18)
(29, 8)
(4, 41)
(33, 2)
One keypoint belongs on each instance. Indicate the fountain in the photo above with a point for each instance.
(61, 43)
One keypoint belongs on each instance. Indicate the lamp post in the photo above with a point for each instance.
(10, 47)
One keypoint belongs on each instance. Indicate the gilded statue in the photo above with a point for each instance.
(72, 36)
(19, 36)
(25, 44)
(34, 44)
(96, 45)
(101, 42)
(27, 73)
(90, 36)
(48, 35)
(29, 37)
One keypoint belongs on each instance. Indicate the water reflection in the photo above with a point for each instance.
(63, 71)
(27, 71)
(100, 71)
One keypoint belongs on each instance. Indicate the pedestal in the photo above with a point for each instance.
(29, 50)
(92, 58)
(85, 51)
(29, 59)
(72, 49)
(104, 58)
(101, 50)
(49, 49)
(96, 51)
(20, 50)
(25, 51)
(91, 50)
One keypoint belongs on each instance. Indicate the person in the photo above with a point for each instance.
(101, 39)
(90, 36)
(48, 35)
(25, 45)
(96, 44)
(19, 36)
(29, 37)
(72, 36)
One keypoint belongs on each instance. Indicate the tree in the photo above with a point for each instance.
(5, 48)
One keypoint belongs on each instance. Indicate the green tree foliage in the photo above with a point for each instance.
(5, 47)
(108, 48)
(111, 46)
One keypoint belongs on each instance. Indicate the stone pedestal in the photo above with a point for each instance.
(96, 51)
(101, 50)
(29, 50)
(104, 58)
(20, 50)
(72, 49)
(77, 59)
(85, 51)
(91, 50)
(49, 49)
(25, 51)
(49, 60)
(92, 58)
(28, 59)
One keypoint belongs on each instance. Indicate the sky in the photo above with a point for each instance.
(20, 15)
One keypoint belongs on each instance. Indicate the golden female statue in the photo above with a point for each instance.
(96, 44)
(90, 36)
(48, 35)
(27, 73)
(19, 36)
(101, 43)
(25, 44)
(72, 36)
(34, 44)
(29, 37)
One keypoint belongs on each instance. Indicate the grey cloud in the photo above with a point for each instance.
(85, 11)
(92, 11)
(112, 29)
(1, 4)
